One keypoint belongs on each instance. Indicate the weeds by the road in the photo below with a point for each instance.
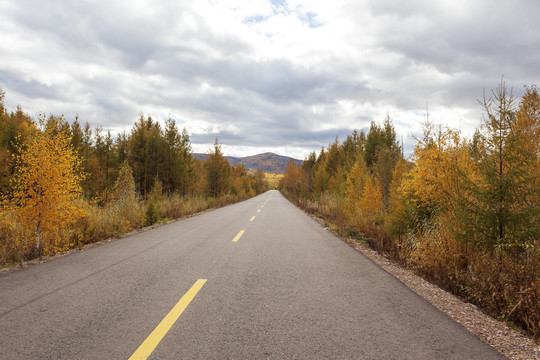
(115, 218)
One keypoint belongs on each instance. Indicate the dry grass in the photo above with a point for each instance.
(17, 242)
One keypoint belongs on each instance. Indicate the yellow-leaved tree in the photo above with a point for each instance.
(46, 184)
(371, 201)
(355, 187)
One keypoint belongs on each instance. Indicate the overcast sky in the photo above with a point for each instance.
(281, 76)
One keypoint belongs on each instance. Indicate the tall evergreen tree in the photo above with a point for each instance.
(186, 163)
(218, 171)
(494, 213)
(137, 154)
(172, 162)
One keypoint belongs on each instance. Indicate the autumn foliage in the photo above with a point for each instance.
(463, 212)
(46, 184)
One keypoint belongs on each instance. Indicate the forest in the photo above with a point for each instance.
(64, 185)
(462, 212)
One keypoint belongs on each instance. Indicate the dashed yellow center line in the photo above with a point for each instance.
(259, 210)
(146, 348)
(252, 218)
(237, 237)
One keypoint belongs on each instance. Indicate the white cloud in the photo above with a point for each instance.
(262, 75)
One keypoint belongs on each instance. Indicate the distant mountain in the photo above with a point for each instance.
(267, 162)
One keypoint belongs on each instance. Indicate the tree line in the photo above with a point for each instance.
(464, 212)
(66, 184)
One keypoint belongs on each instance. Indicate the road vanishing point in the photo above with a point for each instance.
(254, 280)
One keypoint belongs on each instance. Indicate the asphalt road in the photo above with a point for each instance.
(285, 289)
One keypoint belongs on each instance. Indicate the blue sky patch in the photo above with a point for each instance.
(310, 18)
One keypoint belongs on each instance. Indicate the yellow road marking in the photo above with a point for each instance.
(146, 348)
(259, 211)
(239, 235)
(253, 218)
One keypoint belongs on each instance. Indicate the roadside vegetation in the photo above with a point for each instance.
(462, 212)
(64, 185)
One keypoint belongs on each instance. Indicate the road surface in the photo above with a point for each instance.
(254, 280)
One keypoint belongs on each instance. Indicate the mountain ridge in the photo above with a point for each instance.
(268, 162)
